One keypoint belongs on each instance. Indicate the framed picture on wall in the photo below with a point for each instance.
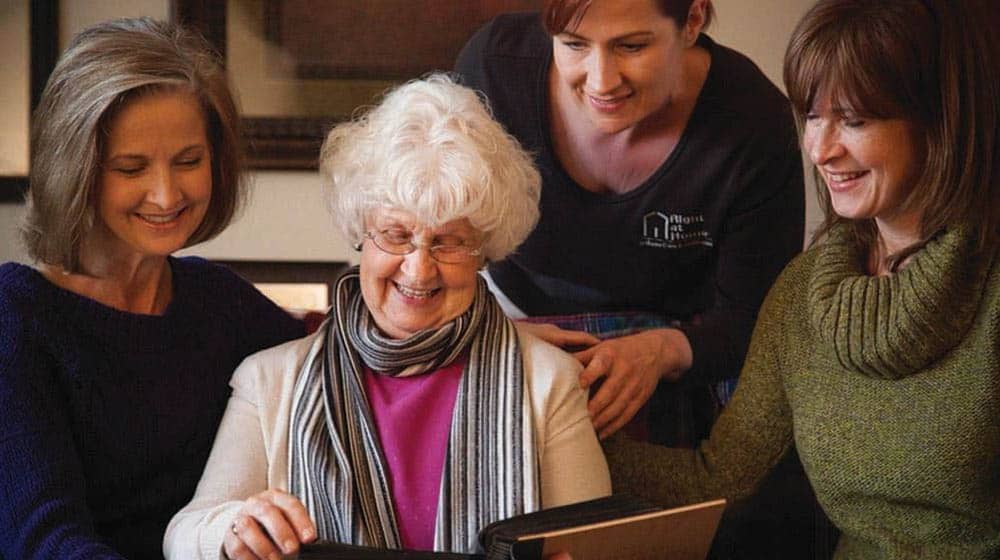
(34, 27)
(300, 66)
(294, 285)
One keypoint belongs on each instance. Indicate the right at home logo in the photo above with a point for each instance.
(673, 231)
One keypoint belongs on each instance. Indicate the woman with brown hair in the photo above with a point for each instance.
(115, 356)
(877, 352)
(672, 196)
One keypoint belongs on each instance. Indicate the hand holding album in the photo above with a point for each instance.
(614, 528)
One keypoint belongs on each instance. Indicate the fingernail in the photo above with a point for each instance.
(307, 534)
(289, 546)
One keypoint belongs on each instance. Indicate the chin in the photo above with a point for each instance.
(611, 125)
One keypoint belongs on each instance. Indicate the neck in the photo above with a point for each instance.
(675, 114)
(143, 286)
(619, 161)
(670, 118)
(895, 237)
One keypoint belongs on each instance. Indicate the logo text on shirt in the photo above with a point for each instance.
(674, 231)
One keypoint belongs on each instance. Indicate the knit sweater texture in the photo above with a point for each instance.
(108, 417)
(889, 387)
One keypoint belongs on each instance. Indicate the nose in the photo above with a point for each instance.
(822, 143)
(419, 265)
(603, 76)
(164, 189)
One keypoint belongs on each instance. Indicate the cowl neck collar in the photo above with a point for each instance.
(891, 327)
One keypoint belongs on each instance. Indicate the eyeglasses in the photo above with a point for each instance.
(446, 249)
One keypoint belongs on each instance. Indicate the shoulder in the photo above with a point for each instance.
(550, 372)
(743, 81)
(17, 279)
(505, 49)
(517, 34)
(21, 291)
(27, 315)
(274, 370)
(992, 293)
(739, 88)
(789, 293)
(12, 313)
(217, 288)
(210, 284)
(205, 272)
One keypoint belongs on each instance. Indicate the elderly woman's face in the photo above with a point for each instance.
(413, 292)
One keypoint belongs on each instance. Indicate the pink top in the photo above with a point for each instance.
(413, 418)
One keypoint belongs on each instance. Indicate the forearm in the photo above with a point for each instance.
(196, 532)
(751, 435)
(745, 444)
(236, 469)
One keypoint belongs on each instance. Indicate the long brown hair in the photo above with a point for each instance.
(929, 62)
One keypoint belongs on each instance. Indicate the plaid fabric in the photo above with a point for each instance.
(677, 415)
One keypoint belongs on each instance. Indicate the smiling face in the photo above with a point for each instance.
(869, 165)
(155, 182)
(409, 293)
(622, 63)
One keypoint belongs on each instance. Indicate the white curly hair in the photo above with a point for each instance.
(432, 148)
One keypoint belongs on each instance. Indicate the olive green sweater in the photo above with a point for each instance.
(890, 390)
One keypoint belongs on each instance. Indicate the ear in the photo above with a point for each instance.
(695, 20)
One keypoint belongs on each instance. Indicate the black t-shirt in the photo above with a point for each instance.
(700, 241)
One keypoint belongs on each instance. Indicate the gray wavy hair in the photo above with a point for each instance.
(432, 148)
(103, 68)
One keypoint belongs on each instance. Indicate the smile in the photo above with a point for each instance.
(608, 104)
(843, 180)
(160, 219)
(415, 293)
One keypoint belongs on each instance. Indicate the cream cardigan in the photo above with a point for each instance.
(250, 454)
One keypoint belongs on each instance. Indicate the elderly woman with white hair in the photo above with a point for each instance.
(418, 413)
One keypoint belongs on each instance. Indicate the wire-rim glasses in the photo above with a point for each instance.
(453, 251)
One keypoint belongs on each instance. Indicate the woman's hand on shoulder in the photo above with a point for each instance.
(630, 368)
(556, 336)
(271, 524)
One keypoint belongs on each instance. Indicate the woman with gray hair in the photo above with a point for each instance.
(115, 356)
(418, 413)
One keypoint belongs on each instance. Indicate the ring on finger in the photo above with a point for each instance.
(234, 528)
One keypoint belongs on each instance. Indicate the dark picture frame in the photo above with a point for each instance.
(306, 38)
(44, 46)
(290, 273)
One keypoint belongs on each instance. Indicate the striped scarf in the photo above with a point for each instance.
(336, 464)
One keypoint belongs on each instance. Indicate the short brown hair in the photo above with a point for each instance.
(103, 68)
(925, 61)
(560, 15)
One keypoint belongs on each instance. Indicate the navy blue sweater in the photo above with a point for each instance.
(108, 417)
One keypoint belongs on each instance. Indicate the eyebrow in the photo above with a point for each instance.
(182, 151)
(632, 35)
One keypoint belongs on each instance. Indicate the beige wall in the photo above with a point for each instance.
(286, 219)
(15, 93)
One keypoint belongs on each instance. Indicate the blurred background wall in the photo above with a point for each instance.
(287, 218)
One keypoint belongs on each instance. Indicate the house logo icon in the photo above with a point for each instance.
(673, 231)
